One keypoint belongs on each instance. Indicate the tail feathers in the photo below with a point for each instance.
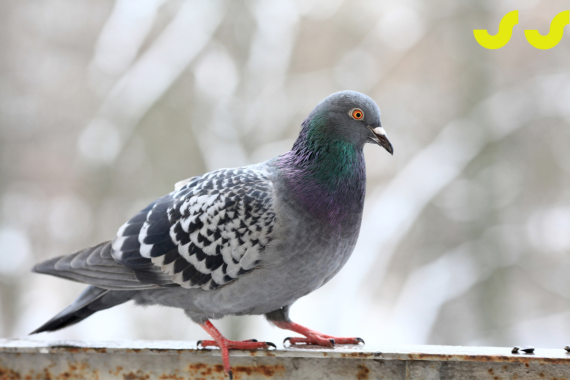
(92, 300)
(96, 266)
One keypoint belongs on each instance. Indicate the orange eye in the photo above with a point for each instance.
(357, 114)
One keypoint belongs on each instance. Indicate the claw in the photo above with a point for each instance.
(360, 340)
(199, 344)
(271, 345)
(231, 375)
(286, 340)
(332, 342)
(253, 340)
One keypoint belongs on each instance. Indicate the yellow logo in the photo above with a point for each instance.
(502, 37)
(554, 35)
(534, 38)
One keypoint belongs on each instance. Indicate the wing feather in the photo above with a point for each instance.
(207, 233)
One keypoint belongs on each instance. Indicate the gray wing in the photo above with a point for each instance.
(209, 232)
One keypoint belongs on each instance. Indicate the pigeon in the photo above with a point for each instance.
(241, 241)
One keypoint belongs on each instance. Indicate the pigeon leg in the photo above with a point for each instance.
(225, 344)
(312, 336)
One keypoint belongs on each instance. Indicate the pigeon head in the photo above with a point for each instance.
(325, 170)
(349, 117)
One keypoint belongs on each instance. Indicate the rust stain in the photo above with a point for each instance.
(260, 353)
(139, 375)
(8, 374)
(264, 370)
(362, 355)
(76, 371)
(172, 377)
(205, 371)
(355, 355)
(77, 349)
(200, 369)
(363, 372)
(117, 371)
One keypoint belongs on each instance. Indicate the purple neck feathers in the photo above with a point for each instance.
(326, 176)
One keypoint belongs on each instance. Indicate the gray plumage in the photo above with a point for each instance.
(236, 241)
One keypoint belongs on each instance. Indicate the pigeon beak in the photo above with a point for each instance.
(381, 139)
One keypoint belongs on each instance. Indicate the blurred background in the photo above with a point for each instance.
(104, 105)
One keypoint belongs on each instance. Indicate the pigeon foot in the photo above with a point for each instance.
(225, 345)
(313, 337)
(251, 344)
(322, 340)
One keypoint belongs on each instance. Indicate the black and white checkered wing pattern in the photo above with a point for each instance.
(210, 231)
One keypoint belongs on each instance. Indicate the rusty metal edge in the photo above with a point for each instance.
(405, 353)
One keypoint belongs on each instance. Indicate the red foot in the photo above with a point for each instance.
(226, 344)
(251, 344)
(314, 337)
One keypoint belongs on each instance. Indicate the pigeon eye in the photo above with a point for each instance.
(357, 114)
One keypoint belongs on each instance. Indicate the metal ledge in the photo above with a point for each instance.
(134, 360)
